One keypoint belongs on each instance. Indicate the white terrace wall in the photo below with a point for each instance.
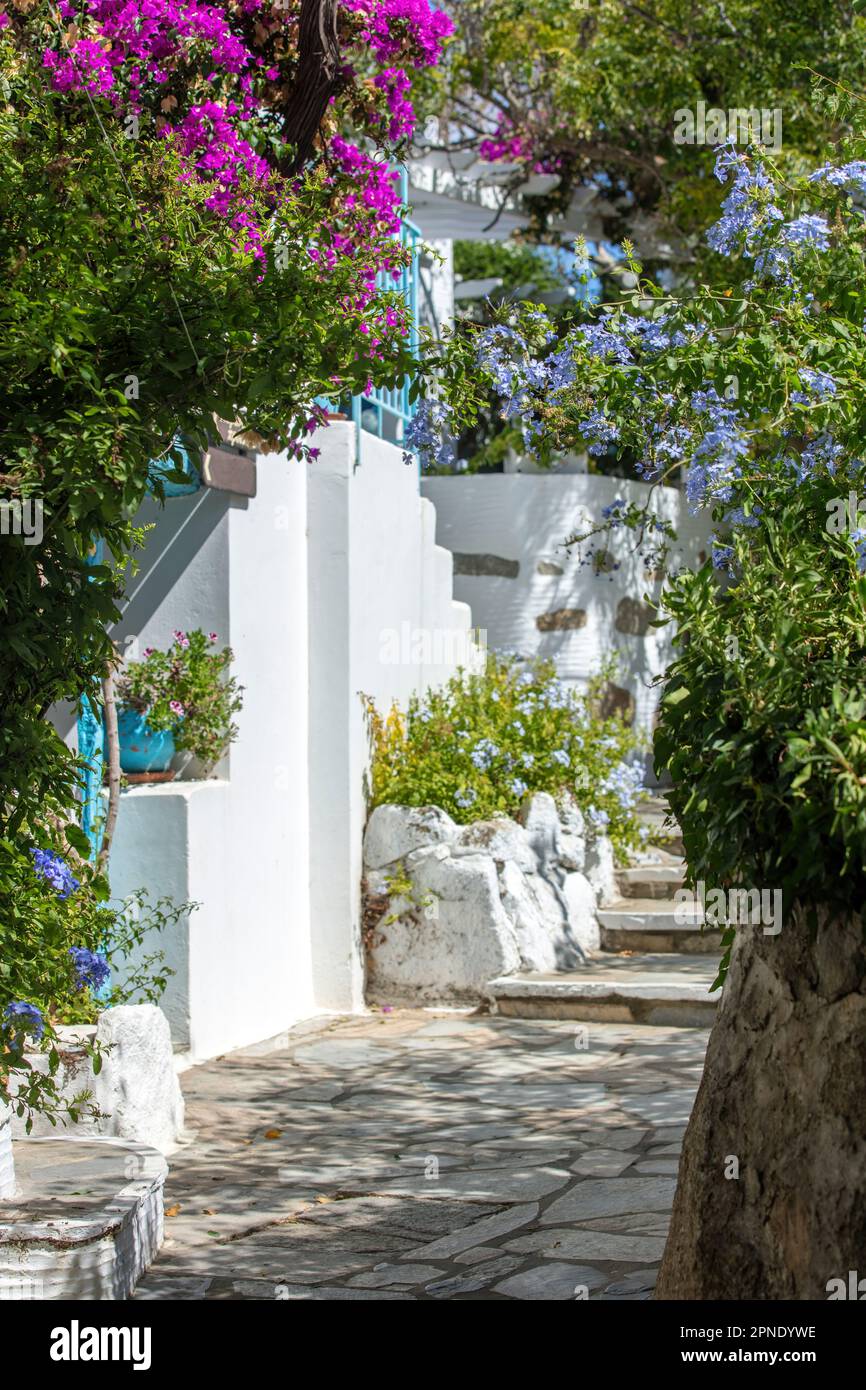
(237, 843)
(382, 624)
(530, 594)
(327, 583)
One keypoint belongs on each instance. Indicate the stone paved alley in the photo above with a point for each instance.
(430, 1154)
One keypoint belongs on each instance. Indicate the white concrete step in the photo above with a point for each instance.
(649, 924)
(665, 989)
(86, 1220)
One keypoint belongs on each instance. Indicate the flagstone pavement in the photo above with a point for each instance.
(430, 1154)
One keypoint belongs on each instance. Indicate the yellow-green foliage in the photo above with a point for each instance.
(483, 742)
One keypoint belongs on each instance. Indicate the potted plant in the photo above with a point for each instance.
(178, 700)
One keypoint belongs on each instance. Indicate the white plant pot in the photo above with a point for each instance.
(7, 1165)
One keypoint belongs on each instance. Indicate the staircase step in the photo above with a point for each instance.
(85, 1222)
(650, 880)
(653, 989)
(649, 924)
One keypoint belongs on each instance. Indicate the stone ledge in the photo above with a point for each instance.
(86, 1222)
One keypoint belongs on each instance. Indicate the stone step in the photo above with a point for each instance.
(86, 1220)
(663, 989)
(650, 880)
(649, 924)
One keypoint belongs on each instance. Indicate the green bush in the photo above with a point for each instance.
(61, 940)
(763, 722)
(482, 743)
(186, 689)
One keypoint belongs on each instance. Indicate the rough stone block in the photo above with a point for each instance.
(561, 620)
(395, 831)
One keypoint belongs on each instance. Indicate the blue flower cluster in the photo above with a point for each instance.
(91, 969)
(483, 754)
(24, 1018)
(600, 431)
(848, 176)
(715, 463)
(819, 386)
(625, 782)
(430, 433)
(55, 871)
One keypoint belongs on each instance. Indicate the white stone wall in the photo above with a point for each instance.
(382, 624)
(512, 530)
(237, 843)
(327, 584)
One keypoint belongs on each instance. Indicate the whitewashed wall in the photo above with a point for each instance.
(327, 584)
(512, 530)
(382, 624)
(238, 843)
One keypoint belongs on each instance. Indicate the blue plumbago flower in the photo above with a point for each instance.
(747, 212)
(626, 783)
(613, 512)
(819, 385)
(602, 341)
(859, 539)
(91, 969)
(528, 759)
(518, 787)
(851, 176)
(559, 755)
(722, 555)
(24, 1018)
(430, 432)
(518, 728)
(483, 754)
(808, 230)
(823, 452)
(55, 871)
(737, 517)
(601, 431)
(715, 464)
(465, 798)
(557, 695)
(599, 820)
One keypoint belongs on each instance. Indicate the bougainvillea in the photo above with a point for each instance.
(212, 79)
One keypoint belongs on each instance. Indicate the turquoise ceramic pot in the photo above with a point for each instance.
(141, 749)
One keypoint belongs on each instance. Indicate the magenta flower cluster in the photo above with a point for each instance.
(138, 54)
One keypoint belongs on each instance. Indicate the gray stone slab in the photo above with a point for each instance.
(405, 1275)
(554, 1282)
(602, 1163)
(488, 1228)
(610, 1197)
(570, 1244)
(483, 1277)
(483, 1185)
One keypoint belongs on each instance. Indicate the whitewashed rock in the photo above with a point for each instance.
(582, 917)
(535, 933)
(395, 831)
(137, 1090)
(502, 838)
(540, 819)
(599, 868)
(571, 817)
(456, 950)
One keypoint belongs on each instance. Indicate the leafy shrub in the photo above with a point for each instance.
(763, 722)
(61, 939)
(484, 742)
(187, 690)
